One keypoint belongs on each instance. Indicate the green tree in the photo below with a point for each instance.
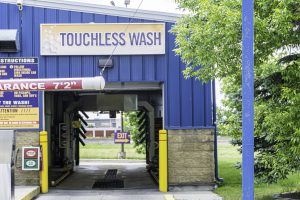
(210, 36)
(131, 124)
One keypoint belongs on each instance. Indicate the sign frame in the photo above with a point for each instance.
(58, 44)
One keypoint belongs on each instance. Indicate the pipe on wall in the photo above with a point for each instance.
(215, 134)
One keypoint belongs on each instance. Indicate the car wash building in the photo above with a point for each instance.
(54, 59)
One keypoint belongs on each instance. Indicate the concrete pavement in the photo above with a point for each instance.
(140, 194)
(138, 184)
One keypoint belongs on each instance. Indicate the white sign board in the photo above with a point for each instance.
(103, 39)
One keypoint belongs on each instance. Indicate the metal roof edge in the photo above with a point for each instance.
(100, 9)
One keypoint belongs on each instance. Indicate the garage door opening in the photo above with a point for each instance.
(75, 142)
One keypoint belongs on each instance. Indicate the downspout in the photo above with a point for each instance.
(218, 179)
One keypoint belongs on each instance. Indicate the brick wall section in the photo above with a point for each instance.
(191, 157)
(89, 134)
(99, 133)
(26, 177)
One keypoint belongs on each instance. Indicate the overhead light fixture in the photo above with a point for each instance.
(9, 40)
(112, 3)
(105, 62)
(127, 2)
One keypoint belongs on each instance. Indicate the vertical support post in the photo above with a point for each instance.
(122, 129)
(248, 98)
(163, 161)
(44, 171)
(122, 154)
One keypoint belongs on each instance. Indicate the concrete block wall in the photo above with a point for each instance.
(191, 157)
(26, 177)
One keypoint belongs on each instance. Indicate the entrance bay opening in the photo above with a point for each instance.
(67, 122)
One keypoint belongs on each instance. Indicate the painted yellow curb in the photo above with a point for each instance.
(169, 197)
(31, 195)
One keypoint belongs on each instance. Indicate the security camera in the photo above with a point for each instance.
(20, 4)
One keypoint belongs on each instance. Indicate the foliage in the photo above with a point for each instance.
(131, 124)
(231, 188)
(210, 36)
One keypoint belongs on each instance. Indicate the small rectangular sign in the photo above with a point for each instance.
(122, 138)
(31, 158)
(30, 153)
(103, 39)
(18, 109)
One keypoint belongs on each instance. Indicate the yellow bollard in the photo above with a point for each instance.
(44, 171)
(163, 161)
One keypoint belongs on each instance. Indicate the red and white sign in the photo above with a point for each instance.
(31, 152)
(58, 84)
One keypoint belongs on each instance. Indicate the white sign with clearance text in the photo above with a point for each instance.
(103, 39)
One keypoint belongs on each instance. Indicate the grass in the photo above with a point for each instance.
(231, 188)
(108, 151)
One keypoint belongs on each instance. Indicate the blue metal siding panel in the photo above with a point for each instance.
(27, 32)
(14, 23)
(13, 15)
(136, 68)
(125, 68)
(208, 104)
(4, 16)
(198, 102)
(100, 18)
(186, 95)
(187, 102)
(149, 68)
(173, 83)
(161, 63)
(64, 61)
(165, 78)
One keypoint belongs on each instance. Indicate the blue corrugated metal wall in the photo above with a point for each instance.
(187, 102)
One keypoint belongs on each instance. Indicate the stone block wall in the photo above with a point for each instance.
(26, 177)
(191, 157)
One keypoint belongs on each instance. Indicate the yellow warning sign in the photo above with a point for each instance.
(18, 118)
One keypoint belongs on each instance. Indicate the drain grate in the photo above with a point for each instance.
(110, 180)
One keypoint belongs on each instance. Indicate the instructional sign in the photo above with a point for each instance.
(19, 109)
(103, 39)
(122, 138)
(31, 158)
